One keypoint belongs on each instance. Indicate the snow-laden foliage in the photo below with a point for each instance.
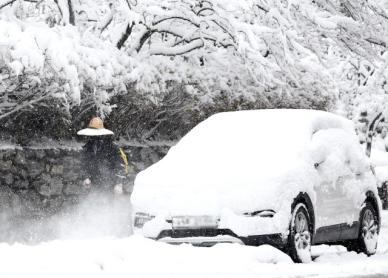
(72, 62)
(223, 47)
(222, 55)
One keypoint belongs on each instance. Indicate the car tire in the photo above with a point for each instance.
(368, 233)
(300, 236)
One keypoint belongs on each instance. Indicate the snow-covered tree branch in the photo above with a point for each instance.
(231, 54)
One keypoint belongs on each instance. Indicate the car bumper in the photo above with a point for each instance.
(228, 224)
(210, 237)
(202, 240)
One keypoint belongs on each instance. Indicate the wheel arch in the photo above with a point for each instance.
(304, 198)
(371, 198)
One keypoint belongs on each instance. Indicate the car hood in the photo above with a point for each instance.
(211, 190)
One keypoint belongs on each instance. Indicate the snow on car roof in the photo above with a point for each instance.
(244, 141)
(252, 137)
(271, 117)
(290, 127)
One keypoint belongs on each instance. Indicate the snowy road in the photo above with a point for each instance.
(138, 257)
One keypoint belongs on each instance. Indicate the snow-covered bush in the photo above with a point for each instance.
(57, 68)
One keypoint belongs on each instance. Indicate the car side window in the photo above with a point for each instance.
(334, 154)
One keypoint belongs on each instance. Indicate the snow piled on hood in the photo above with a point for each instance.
(249, 160)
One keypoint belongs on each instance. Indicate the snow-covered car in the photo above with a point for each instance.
(289, 178)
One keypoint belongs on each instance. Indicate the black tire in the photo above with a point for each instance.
(368, 233)
(299, 239)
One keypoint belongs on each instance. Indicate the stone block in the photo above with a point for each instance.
(6, 165)
(53, 153)
(57, 170)
(20, 183)
(40, 154)
(20, 158)
(23, 174)
(7, 154)
(47, 185)
(8, 179)
(29, 153)
(71, 175)
(35, 168)
(74, 188)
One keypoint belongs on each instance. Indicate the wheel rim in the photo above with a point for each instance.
(369, 227)
(302, 236)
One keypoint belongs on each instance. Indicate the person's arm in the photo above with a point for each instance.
(119, 166)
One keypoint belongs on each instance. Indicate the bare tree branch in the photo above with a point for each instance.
(130, 4)
(7, 3)
(225, 30)
(24, 105)
(144, 38)
(178, 50)
(376, 42)
(59, 8)
(125, 36)
(261, 8)
(175, 17)
(203, 10)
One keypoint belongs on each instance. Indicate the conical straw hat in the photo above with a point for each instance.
(95, 128)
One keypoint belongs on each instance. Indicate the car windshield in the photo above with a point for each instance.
(238, 137)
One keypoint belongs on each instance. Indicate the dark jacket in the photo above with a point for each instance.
(103, 163)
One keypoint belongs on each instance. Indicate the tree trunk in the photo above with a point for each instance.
(71, 12)
(371, 130)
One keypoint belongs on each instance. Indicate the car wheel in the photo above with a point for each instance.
(299, 240)
(368, 233)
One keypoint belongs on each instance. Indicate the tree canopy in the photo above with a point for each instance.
(146, 63)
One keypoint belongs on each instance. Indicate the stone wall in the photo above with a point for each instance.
(38, 181)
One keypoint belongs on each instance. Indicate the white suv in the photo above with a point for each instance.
(289, 178)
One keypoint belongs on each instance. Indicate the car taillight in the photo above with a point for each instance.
(142, 218)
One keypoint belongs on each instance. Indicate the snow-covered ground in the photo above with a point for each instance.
(135, 256)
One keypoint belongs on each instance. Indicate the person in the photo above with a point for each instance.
(105, 165)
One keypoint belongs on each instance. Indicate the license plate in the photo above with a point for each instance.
(204, 221)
